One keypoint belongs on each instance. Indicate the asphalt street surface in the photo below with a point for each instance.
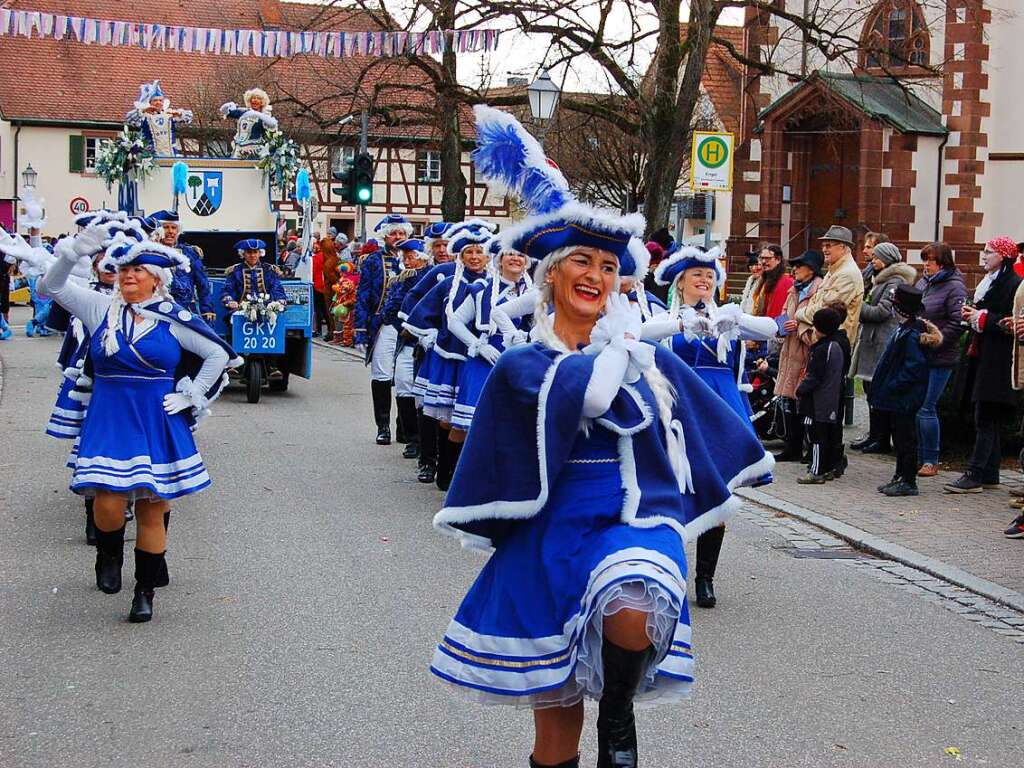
(308, 590)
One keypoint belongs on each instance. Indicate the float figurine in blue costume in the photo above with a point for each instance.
(377, 340)
(155, 367)
(591, 458)
(254, 120)
(710, 340)
(251, 276)
(438, 377)
(153, 116)
(415, 263)
(191, 286)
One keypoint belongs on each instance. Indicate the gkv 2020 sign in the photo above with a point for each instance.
(711, 162)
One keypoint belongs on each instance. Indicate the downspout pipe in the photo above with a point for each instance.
(938, 187)
(14, 176)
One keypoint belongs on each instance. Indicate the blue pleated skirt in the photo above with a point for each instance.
(473, 375)
(130, 445)
(529, 631)
(442, 386)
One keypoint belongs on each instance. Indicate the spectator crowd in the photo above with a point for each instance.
(903, 335)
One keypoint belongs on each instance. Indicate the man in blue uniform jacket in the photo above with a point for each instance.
(190, 289)
(251, 276)
(376, 272)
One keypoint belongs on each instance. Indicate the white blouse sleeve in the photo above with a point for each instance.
(753, 328)
(605, 380)
(87, 305)
(214, 357)
(459, 322)
(505, 313)
(660, 327)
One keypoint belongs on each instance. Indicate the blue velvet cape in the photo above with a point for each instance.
(529, 416)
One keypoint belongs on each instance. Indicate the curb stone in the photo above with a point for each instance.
(347, 351)
(880, 547)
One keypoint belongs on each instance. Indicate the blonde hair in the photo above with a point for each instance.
(116, 309)
(544, 332)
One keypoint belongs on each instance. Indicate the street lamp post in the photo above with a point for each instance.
(28, 177)
(543, 95)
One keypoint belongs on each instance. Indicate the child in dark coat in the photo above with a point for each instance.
(900, 384)
(819, 393)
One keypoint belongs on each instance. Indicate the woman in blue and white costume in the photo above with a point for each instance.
(588, 464)
(428, 321)
(710, 340)
(473, 325)
(156, 368)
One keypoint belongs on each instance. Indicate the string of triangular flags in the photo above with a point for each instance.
(240, 42)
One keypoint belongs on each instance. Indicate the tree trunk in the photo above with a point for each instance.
(667, 122)
(453, 182)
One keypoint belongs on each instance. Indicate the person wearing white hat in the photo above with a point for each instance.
(586, 468)
(167, 364)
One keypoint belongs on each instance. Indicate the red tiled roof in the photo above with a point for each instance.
(65, 80)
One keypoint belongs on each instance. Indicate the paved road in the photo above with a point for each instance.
(308, 590)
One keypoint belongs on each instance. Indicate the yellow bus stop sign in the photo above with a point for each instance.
(711, 162)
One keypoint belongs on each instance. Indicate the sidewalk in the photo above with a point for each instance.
(958, 537)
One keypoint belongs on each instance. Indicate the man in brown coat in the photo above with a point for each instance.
(329, 249)
(843, 281)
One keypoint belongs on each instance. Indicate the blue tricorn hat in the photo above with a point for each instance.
(508, 156)
(125, 253)
(412, 244)
(681, 258)
(392, 222)
(162, 216)
(437, 230)
(250, 244)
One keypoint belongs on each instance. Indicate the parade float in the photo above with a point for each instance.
(220, 201)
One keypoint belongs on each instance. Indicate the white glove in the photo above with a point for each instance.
(227, 107)
(694, 324)
(619, 319)
(90, 240)
(427, 340)
(360, 348)
(727, 320)
(515, 339)
(15, 248)
(489, 353)
(176, 402)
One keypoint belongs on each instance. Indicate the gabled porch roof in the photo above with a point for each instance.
(878, 97)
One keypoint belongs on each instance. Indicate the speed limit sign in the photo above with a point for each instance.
(79, 205)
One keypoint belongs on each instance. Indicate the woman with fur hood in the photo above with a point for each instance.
(878, 322)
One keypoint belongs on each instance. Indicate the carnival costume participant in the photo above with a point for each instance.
(592, 457)
(379, 340)
(251, 276)
(415, 262)
(438, 377)
(436, 238)
(152, 114)
(473, 325)
(709, 339)
(156, 367)
(254, 120)
(191, 287)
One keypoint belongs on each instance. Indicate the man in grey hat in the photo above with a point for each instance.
(843, 282)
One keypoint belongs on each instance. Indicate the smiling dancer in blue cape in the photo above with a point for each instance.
(592, 458)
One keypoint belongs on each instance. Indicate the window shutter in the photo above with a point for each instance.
(76, 154)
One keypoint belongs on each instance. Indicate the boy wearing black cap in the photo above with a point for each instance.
(819, 393)
(900, 383)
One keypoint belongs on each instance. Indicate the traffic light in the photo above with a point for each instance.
(361, 184)
(344, 191)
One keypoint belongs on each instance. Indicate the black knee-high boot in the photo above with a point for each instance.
(407, 418)
(109, 559)
(709, 547)
(448, 460)
(147, 570)
(163, 578)
(428, 430)
(381, 393)
(90, 524)
(616, 726)
(574, 763)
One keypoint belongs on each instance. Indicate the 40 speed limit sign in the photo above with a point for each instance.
(711, 162)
